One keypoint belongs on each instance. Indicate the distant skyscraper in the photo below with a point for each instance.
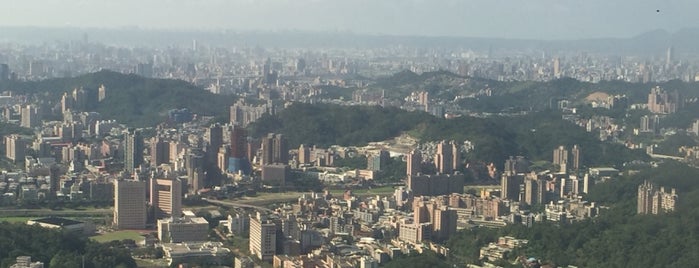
(129, 204)
(652, 200)
(575, 154)
(414, 162)
(4, 72)
(133, 150)
(166, 197)
(101, 93)
(669, 57)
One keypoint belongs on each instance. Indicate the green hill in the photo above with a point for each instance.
(495, 138)
(131, 99)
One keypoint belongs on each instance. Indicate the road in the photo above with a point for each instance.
(236, 204)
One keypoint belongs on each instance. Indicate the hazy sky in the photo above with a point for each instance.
(536, 19)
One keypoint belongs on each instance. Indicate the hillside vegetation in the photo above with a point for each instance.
(131, 99)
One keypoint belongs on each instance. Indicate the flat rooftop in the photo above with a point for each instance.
(55, 221)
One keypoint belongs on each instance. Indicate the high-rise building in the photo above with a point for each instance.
(516, 165)
(444, 158)
(414, 163)
(166, 197)
(455, 156)
(129, 204)
(159, 151)
(652, 200)
(663, 102)
(30, 116)
(214, 139)
(133, 150)
(575, 155)
(510, 185)
(4, 72)
(560, 157)
(101, 93)
(441, 218)
(440, 184)
(304, 155)
(263, 238)
(379, 161)
(274, 149)
(15, 148)
(534, 190)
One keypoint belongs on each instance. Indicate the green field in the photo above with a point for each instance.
(118, 235)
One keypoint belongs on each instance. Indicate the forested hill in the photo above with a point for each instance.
(518, 95)
(131, 99)
(495, 138)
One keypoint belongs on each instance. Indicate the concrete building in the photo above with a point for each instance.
(212, 252)
(129, 204)
(652, 200)
(560, 157)
(26, 262)
(133, 150)
(430, 185)
(274, 149)
(414, 163)
(15, 148)
(263, 238)
(186, 229)
(276, 174)
(444, 158)
(166, 197)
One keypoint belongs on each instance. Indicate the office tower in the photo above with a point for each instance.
(30, 116)
(238, 137)
(556, 68)
(194, 163)
(129, 204)
(443, 159)
(214, 139)
(378, 162)
(560, 157)
(263, 238)
(133, 150)
(159, 151)
(15, 148)
(510, 185)
(274, 149)
(575, 154)
(304, 155)
(669, 57)
(414, 163)
(166, 197)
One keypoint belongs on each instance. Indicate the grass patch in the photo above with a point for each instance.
(16, 219)
(118, 235)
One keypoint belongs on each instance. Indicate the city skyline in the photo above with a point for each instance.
(545, 20)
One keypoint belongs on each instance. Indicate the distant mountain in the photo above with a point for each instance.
(650, 43)
(131, 99)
